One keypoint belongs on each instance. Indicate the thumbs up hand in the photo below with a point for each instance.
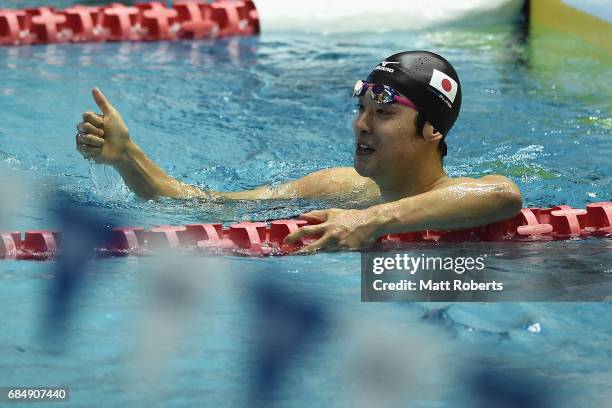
(103, 138)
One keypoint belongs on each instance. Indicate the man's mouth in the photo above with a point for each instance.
(364, 149)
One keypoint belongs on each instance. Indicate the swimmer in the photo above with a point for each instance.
(406, 108)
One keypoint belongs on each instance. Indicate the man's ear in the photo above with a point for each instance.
(431, 134)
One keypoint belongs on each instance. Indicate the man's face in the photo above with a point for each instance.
(386, 144)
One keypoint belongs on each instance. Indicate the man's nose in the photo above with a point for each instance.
(363, 121)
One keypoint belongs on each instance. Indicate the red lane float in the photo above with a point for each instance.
(187, 19)
(262, 239)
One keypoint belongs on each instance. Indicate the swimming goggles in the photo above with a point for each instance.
(381, 93)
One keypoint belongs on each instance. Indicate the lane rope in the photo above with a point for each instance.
(266, 239)
(151, 21)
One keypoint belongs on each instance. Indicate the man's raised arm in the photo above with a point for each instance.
(105, 139)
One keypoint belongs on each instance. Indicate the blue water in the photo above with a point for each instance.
(240, 113)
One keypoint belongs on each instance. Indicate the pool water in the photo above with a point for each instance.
(240, 113)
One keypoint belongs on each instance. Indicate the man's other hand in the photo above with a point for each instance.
(352, 229)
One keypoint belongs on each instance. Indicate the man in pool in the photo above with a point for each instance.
(406, 107)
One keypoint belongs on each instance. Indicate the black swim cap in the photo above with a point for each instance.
(426, 79)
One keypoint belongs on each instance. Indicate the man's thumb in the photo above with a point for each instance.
(101, 101)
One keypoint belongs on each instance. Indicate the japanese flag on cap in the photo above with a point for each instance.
(445, 84)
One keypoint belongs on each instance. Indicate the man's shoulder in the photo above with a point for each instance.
(347, 174)
(346, 179)
(492, 179)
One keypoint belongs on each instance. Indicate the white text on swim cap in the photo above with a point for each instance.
(383, 66)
